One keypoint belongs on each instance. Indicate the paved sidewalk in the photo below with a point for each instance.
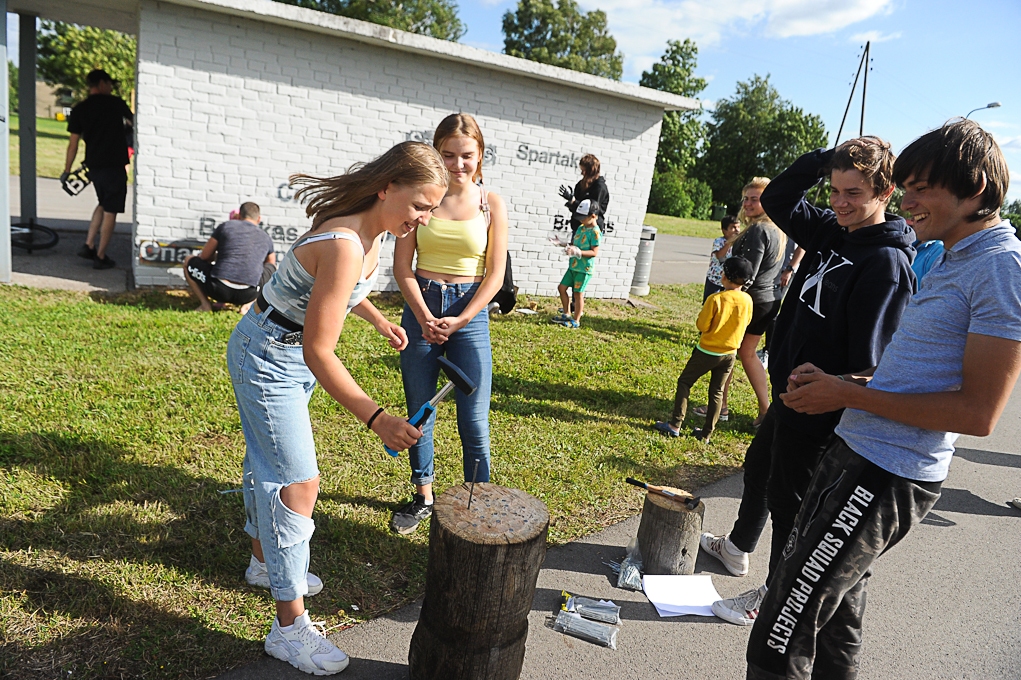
(945, 603)
(680, 259)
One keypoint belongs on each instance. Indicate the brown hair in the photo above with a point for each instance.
(958, 157)
(408, 164)
(461, 125)
(869, 155)
(249, 210)
(589, 170)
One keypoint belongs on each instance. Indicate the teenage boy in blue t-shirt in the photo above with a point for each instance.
(950, 368)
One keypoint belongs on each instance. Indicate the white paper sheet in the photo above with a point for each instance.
(681, 595)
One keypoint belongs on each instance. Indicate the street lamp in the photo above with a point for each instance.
(991, 105)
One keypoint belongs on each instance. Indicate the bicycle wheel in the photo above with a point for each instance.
(33, 237)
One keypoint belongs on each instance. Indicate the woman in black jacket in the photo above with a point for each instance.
(592, 187)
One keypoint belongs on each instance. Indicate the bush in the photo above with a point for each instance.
(674, 194)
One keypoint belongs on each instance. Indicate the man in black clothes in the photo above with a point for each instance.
(101, 121)
(844, 304)
(237, 260)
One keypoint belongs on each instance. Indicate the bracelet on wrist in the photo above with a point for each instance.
(368, 423)
(841, 377)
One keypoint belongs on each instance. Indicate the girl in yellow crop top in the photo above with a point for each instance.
(461, 257)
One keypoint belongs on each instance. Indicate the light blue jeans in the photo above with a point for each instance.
(272, 385)
(468, 349)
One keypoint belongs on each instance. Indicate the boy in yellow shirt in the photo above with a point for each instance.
(722, 321)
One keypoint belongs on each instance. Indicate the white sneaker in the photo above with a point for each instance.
(741, 610)
(722, 549)
(304, 646)
(256, 575)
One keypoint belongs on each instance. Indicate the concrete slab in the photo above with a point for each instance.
(945, 603)
(60, 267)
(680, 259)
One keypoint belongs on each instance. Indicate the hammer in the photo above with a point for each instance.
(690, 502)
(455, 378)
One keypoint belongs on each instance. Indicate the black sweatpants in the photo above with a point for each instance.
(794, 458)
(753, 512)
(809, 623)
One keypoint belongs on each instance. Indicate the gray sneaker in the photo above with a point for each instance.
(406, 519)
(717, 547)
(741, 610)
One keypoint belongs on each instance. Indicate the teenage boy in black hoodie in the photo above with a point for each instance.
(842, 309)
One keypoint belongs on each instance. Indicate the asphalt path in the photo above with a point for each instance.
(944, 603)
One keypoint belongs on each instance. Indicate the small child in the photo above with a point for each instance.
(722, 321)
(583, 250)
(731, 227)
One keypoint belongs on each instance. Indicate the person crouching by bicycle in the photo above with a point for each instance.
(287, 343)
(591, 187)
(237, 260)
(100, 120)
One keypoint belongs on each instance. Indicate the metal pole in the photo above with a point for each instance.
(26, 115)
(864, 89)
(5, 161)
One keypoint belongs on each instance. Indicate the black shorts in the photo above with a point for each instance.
(763, 314)
(200, 271)
(111, 187)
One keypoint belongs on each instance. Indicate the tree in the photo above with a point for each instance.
(435, 18)
(756, 133)
(67, 52)
(562, 35)
(674, 194)
(12, 87)
(682, 133)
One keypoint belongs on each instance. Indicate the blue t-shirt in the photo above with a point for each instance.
(976, 288)
(927, 254)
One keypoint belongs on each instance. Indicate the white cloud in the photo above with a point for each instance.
(873, 36)
(642, 27)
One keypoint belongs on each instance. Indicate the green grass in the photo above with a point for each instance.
(680, 226)
(50, 147)
(118, 558)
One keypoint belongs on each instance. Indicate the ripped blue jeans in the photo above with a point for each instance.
(273, 385)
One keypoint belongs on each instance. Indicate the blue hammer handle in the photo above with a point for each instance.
(428, 408)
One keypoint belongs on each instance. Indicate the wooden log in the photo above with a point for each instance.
(480, 582)
(668, 534)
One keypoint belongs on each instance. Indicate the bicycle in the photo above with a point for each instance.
(32, 236)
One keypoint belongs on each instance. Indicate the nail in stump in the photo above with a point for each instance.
(472, 492)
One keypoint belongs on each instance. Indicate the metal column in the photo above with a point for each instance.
(5, 161)
(26, 115)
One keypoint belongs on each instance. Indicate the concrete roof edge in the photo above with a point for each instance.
(363, 31)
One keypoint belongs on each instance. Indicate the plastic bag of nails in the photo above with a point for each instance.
(574, 625)
(597, 610)
(629, 572)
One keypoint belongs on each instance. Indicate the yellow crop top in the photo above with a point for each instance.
(455, 247)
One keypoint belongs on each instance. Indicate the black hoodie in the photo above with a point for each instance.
(846, 300)
(596, 192)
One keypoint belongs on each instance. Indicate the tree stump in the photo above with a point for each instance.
(480, 582)
(669, 532)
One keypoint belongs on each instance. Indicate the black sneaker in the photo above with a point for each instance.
(105, 263)
(699, 434)
(86, 252)
(406, 518)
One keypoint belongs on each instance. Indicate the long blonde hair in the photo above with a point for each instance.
(408, 164)
(461, 125)
(759, 183)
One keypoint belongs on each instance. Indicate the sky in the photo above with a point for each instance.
(931, 59)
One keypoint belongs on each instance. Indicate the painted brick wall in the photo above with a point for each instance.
(228, 108)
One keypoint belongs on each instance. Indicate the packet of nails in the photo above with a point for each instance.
(597, 610)
(572, 624)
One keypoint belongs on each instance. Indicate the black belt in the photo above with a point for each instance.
(276, 317)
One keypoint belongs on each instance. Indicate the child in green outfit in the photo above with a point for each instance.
(582, 251)
(723, 320)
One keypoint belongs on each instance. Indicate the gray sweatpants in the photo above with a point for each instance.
(809, 624)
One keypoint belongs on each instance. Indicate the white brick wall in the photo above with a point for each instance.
(229, 107)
